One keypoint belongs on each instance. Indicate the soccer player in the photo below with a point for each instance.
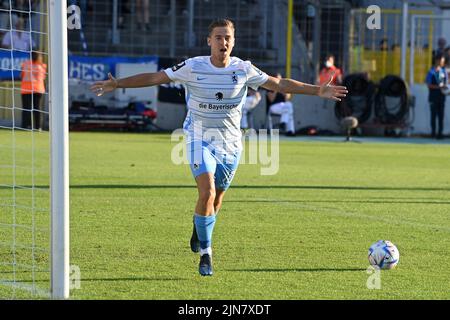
(216, 88)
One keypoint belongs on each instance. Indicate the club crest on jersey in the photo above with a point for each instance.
(219, 96)
(196, 166)
(234, 77)
(178, 66)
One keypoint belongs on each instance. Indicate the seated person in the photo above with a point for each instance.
(278, 104)
(18, 39)
(252, 100)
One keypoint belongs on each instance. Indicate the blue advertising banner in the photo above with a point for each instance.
(11, 64)
(97, 68)
(80, 67)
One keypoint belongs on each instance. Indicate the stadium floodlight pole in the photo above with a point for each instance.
(59, 140)
(289, 38)
(173, 26)
(115, 33)
(404, 38)
(411, 51)
(264, 24)
(191, 42)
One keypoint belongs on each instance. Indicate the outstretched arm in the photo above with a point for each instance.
(326, 91)
(136, 81)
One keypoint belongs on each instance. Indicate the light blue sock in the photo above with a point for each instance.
(204, 226)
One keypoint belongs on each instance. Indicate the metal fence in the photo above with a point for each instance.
(170, 28)
(377, 52)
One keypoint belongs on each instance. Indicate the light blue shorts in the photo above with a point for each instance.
(203, 158)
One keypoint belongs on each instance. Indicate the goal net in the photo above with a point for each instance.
(33, 174)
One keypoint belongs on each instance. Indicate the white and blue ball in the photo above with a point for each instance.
(384, 255)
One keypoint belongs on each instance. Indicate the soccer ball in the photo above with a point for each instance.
(384, 255)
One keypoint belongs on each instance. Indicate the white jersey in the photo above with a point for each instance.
(214, 98)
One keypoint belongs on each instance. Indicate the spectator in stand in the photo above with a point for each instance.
(124, 9)
(447, 57)
(18, 39)
(22, 8)
(4, 16)
(436, 81)
(328, 70)
(143, 14)
(440, 51)
(384, 46)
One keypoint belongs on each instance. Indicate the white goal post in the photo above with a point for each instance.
(34, 152)
(59, 135)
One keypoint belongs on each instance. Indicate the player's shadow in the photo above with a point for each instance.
(390, 201)
(135, 279)
(300, 270)
(162, 186)
(374, 188)
(104, 279)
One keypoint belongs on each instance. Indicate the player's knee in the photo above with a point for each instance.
(207, 196)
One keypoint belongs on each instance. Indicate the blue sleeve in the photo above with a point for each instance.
(429, 79)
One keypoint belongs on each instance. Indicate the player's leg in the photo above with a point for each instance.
(225, 173)
(218, 200)
(203, 165)
(204, 221)
(195, 243)
(206, 194)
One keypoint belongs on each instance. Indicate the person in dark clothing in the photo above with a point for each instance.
(34, 72)
(278, 103)
(436, 81)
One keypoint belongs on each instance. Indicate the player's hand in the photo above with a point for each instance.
(335, 93)
(102, 87)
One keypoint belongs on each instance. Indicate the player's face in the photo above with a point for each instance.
(221, 41)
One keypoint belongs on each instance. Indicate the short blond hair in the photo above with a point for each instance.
(220, 23)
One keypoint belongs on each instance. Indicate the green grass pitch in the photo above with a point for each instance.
(301, 234)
